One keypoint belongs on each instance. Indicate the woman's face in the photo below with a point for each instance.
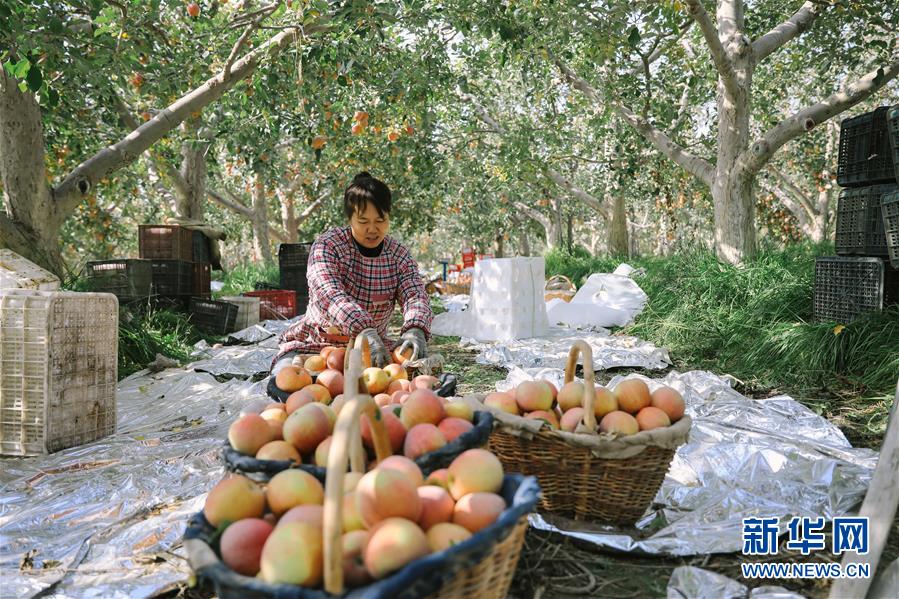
(369, 227)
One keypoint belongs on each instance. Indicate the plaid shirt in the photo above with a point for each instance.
(352, 292)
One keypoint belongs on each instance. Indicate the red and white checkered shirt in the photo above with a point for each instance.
(352, 292)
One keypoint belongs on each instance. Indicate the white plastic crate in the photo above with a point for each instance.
(17, 272)
(58, 369)
(247, 310)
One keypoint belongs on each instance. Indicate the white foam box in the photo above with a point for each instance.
(507, 299)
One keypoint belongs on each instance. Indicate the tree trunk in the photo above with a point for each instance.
(499, 245)
(262, 249)
(733, 192)
(618, 237)
(191, 199)
(289, 215)
(524, 246)
(633, 243)
(30, 222)
(555, 226)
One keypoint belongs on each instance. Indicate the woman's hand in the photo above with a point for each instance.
(414, 338)
(380, 356)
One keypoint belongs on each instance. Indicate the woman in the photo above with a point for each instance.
(356, 274)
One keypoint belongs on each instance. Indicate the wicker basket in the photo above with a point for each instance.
(447, 288)
(576, 483)
(58, 369)
(559, 286)
(482, 566)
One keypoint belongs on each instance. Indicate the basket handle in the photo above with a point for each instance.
(559, 279)
(581, 348)
(346, 432)
(360, 343)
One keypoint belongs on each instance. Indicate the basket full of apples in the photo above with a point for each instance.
(421, 425)
(599, 454)
(385, 533)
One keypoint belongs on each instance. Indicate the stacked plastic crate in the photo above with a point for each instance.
(860, 278)
(58, 361)
(292, 260)
(173, 271)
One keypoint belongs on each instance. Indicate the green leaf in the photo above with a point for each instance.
(633, 39)
(52, 97)
(20, 69)
(34, 79)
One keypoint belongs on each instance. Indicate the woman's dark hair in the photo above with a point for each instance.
(363, 189)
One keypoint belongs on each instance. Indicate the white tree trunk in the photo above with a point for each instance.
(555, 228)
(289, 215)
(618, 235)
(521, 234)
(262, 248)
(30, 222)
(732, 190)
(191, 199)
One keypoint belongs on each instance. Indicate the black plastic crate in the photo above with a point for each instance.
(295, 280)
(846, 287)
(201, 279)
(893, 128)
(859, 229)
(889, 209)
(127, 278)
(173, 277)
(213, 316)
(201, 252)
(865, 155)
(293, 255)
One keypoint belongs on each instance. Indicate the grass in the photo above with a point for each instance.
(754, 322)
(245, 276)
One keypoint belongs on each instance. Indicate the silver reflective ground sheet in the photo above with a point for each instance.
(105, 519)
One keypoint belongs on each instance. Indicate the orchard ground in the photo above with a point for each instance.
(752, 322)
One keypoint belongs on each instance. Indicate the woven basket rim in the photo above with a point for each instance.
(678, 432)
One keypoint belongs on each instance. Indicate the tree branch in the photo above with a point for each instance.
(79, 182)
(313, 207)
(793, 27)
(693, 164)
(722, 61)
(178, 181)
(586, 198)
(794, 190)
(233, 204)
(534, 214)
(277, 233)
(554, 175)
(659, 50)
(753, 159)
(263, 14)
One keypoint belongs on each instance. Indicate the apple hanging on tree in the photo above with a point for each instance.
(193, 9)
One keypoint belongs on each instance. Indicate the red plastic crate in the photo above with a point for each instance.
(275, 304)
(468, 257)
